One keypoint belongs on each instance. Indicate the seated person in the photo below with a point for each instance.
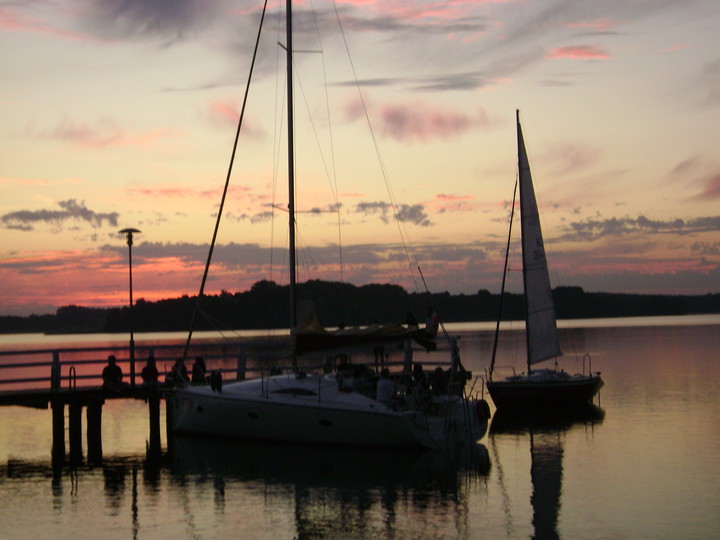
(150, 373)
(385, 387)
(439, 381)
(112, 376)
(198, 371)
(179, 374)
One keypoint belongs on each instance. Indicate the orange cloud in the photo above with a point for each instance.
(579, 52)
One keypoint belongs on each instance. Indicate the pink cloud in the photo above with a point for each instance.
(228, 113)
(453, 198)
(598, 25)
(175, 193)
(711, 191)
(106, 133)
(439, 12)
(448, 202)
(14, 22)
(421, 121)
(225, 111)
(676, 47)
(579, 52)
(39, 181)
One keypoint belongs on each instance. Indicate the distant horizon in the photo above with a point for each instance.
(137, 299)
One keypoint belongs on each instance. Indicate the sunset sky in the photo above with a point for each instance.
(123, 114)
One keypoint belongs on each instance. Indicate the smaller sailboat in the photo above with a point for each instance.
(538, 389)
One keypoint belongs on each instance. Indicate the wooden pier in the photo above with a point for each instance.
(68, 381)
(90, 399)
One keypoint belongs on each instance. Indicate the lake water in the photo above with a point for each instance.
(646, 465)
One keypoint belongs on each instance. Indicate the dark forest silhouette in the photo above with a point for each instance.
(266, 305)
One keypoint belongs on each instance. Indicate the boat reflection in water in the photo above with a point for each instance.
(333, 490)
(546, 435)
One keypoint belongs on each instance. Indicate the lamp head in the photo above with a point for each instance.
(129, 235)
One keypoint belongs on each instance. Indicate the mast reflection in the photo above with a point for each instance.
(546, 437)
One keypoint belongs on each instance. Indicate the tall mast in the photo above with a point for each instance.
(291, 163)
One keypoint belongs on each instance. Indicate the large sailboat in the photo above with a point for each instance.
(537, 389)
(326, 408)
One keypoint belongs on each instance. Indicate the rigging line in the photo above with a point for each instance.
(332, 146)
(333, 189)
(227, 184)
(276, 146)
(331, 176)
(502, 286)
(215, 322)
(315, 133)
(381, 162)
(276, 168)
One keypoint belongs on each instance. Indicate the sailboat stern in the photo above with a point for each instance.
(544, 390)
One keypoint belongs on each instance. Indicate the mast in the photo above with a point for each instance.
(291, 165)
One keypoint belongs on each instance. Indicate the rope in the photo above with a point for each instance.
(227, 185)
(502, 287)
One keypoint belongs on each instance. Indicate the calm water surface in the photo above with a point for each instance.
(645, 464)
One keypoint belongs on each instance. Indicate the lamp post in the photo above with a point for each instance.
(129, 236)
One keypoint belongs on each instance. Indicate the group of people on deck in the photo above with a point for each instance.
(112, 375)
(387, 389)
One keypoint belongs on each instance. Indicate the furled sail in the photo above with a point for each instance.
(542, 335)
(310, 336)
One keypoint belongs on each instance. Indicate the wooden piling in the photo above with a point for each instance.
(58, 431)
(75, 427)
(154, 449)
(169, 403)
(94, 432)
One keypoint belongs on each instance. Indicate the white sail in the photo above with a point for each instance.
(542, 335)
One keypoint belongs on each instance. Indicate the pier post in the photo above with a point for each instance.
(94, 431)
(58, 431)
(55, 372)
(75, 426)
(154, 450)
(169, 407)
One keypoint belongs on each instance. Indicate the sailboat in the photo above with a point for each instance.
(322, 408)
(537, 389)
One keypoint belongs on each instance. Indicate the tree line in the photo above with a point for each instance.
(267, 305)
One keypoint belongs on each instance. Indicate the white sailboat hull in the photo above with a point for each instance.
(313, 410)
